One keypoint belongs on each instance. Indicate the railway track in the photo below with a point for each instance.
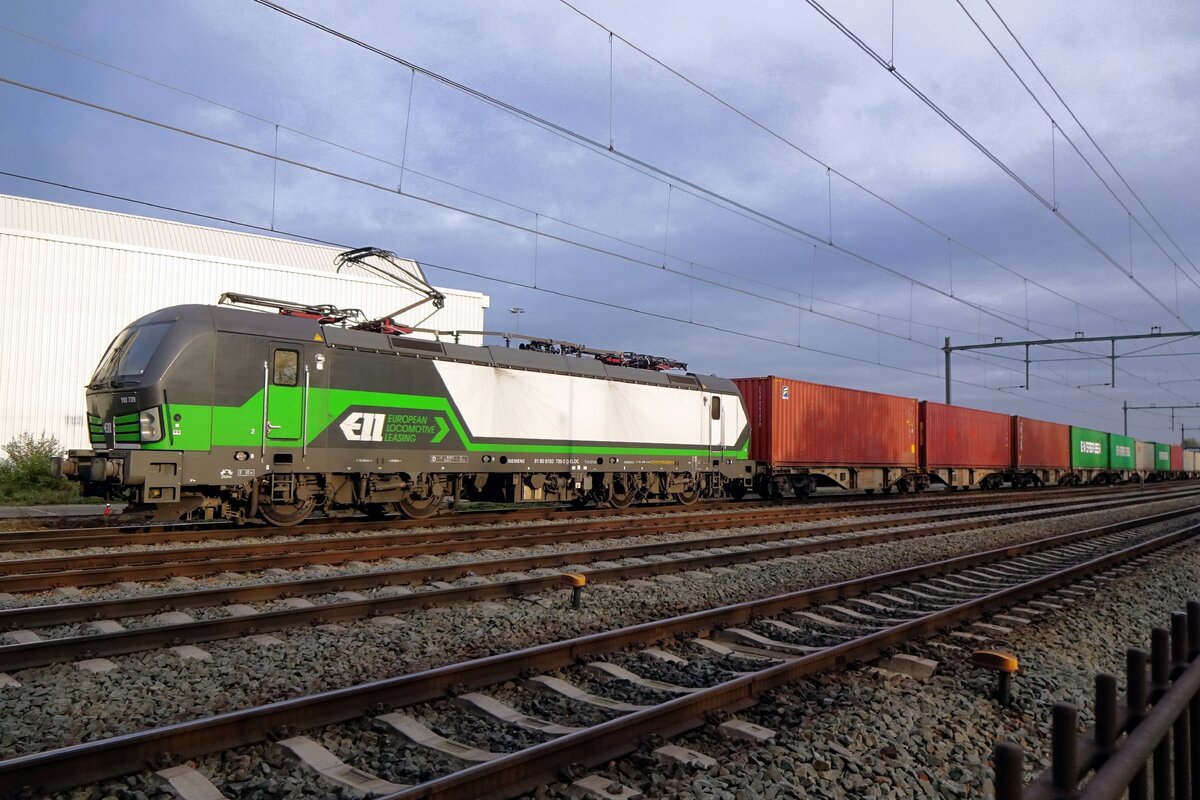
(70, 538)
(40, 574)
(791, 635)
(99, 628)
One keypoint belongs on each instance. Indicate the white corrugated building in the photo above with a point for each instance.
(73, 277)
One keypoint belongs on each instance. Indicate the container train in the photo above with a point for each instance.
(221, 412)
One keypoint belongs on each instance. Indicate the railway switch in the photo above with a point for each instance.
(1004, 665)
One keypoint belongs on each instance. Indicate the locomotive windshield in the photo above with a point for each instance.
(129, 354)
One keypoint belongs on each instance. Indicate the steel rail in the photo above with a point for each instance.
(433, 528)
(39, 574)
(543, 519)
(66, 613)
(122, 535)
(339, 522)
(526, 769)
(49, 651)
(93, 761)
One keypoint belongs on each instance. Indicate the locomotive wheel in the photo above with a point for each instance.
(420, 508)
(737, 490)
(285, 515)
(687, 498)
(619, 496)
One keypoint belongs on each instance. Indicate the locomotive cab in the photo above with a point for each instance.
(132, 424)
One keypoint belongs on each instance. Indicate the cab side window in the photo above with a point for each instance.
(286, 368)
(716, 407)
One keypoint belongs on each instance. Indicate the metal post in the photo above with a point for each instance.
(1179, 643)
(1106, 712)
(1193, 637)
(1010, 771)
(1113, 360)
(1135, 702)
(1179, 731)
(1004, 689)
(1125, 416)
(1160, 676)
(1064, 759)
(1027, 368)
(1193, 619)
(946, 350)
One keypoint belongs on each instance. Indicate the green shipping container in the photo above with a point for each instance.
(1162, 457)
(1122, 452)
(1089, 449)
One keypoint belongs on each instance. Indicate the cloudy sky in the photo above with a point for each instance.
(742, 188)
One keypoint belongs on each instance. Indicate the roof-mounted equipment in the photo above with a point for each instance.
(401, 271)
(404, 272)
(323, 314)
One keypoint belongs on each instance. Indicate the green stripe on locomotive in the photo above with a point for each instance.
(200, 427)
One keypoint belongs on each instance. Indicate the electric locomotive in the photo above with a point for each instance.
(220, 412)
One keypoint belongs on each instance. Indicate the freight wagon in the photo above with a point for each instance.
(1144, 460)
(1041, 452)
(964, 447)
(1100, 458)
(1162, 461)
(807, 435)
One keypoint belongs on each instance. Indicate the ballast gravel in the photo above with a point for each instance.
(60, 705)
(867, 734)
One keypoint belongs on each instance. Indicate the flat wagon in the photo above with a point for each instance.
(964, 447)
(805, 435)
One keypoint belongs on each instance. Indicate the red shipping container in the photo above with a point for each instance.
(953, 436)
(796, 423)
(1041, 444)
(1176, 458)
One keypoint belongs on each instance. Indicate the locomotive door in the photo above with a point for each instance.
(285, 389)
(716, 428)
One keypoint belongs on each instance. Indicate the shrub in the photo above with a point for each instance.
(25, 475)
(29, 459)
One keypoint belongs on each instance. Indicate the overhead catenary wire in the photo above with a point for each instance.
(982, 148)
(866, 327)
(533, 231)
(400, 191)
(998, 313)
(1004, 316)
(673, 180)
(1066, 137)
(558, 293)
(676, 180)
(1088, 134)
(775, 134)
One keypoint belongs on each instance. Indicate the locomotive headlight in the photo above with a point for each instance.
(151, 426)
